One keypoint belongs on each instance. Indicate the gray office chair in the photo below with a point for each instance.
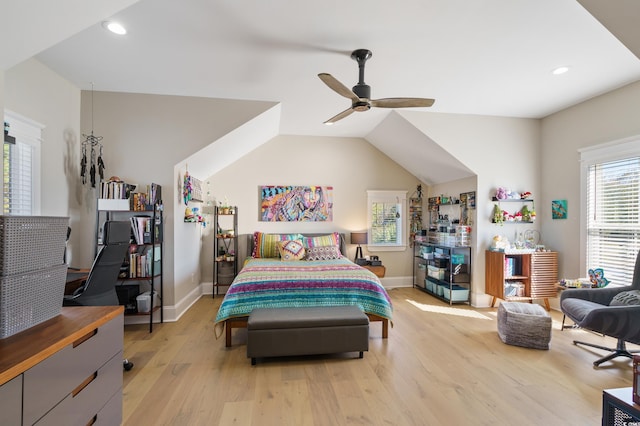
(589, 308)
(100, 287)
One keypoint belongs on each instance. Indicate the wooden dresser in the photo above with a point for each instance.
(67, 370)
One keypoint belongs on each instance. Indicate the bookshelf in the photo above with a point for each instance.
(225, 246)
(141, 272)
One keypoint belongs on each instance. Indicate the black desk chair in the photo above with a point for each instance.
(100, 287)
(592, 309)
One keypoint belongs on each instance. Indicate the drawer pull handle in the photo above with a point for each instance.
(84, 384)
(84, 338)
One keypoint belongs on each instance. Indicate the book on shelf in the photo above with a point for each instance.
(145, 201)
(142, 262)
(113, 190)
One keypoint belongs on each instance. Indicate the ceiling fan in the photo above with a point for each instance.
(361, 94)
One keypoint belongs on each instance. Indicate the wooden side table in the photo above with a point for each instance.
(378, 270)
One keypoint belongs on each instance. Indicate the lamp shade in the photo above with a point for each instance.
(359, 237)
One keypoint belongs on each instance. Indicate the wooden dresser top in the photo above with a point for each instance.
(23, 350)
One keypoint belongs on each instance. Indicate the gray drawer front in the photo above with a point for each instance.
(79, 410)
(11, 402)
(111, 413)
(53, 379)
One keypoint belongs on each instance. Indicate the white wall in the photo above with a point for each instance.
(145, 138)
(351, 165)
(36, 92)
(501, 151)
(606, 118)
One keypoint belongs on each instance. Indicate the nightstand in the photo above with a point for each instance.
(378, 270)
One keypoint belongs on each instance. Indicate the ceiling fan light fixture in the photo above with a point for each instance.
(560, 70)
(360, 94)
(114, 27)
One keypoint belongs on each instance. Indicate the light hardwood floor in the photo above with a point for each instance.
(440, 365)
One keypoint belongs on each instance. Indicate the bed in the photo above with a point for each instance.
(278, 282)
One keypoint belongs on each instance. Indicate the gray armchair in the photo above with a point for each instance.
(589, 308)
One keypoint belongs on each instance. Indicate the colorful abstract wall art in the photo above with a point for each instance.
(559, 209)
(296, 203)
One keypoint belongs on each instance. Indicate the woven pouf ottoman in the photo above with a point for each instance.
(524, 324)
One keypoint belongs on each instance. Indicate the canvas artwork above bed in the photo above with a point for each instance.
(297, 270)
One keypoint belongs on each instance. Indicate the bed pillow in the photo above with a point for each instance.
(291, 250)
(631, 297)
(332, 239)
(323, 253)
(265, 245)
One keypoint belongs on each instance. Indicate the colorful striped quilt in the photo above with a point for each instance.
(273, 283)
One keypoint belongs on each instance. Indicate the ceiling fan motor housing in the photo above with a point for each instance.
(362, 91)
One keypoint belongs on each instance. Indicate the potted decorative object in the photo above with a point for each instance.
(497, 214)
(224, 207)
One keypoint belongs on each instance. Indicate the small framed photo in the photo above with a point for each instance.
(559, 209)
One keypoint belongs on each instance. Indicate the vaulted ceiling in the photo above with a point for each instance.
(493, 57)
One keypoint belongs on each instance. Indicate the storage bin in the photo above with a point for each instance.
(440, 262)
(456, 293)
(30, 298)
(421, 273)
(457, 259)
(143, 301)
(430, 286)
(435, 272)
(439, 289)
(30, 243)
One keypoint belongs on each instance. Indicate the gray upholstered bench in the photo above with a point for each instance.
(524, 324)
(306, 331)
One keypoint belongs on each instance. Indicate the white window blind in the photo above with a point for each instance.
(387, 222)
(613, 218)
(21, 167)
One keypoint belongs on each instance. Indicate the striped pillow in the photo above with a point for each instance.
(265, 245)
(332, 239)
(291, 250)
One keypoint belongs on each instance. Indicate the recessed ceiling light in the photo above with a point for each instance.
(560, 70)
(114, 27)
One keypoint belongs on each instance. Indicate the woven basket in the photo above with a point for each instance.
(31, 298)
(29, 243)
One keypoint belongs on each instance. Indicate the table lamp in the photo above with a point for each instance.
(358, 238)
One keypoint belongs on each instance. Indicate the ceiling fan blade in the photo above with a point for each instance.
(402, 102)
(338, 87)
(340, 116)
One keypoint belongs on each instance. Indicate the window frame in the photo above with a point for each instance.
(620, 150)
(392, 197)
(28, 134)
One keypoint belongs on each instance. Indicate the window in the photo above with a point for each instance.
(21, 167)
(612, 195)
(387, 222)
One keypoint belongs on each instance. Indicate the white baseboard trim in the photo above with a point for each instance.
(396, 282)
(171, 313)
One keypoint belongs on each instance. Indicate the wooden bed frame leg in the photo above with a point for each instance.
(227, 329)
(385, 329)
